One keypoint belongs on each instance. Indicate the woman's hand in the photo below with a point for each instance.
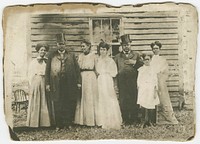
(48, 88)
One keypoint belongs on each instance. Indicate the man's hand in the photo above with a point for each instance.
(79, 86)
(48, 88)
(130, 61)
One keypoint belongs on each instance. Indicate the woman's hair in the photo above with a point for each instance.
(103, 45)
(156, 43)
(87, 42)
(39, 45)
(146, 54)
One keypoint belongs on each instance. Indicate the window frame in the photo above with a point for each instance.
(101, 18)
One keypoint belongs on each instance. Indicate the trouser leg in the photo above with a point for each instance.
(58, 114)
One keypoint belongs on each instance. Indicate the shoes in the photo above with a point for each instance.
(59, 128)
(152, 124)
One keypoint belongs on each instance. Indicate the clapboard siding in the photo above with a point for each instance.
(151, 20)
(148, 42)
(140, 25)
(52, 37)
(58, 19)
(60, 26)
(45, 27)
(151, 31)
(55, 31)
(144, 28)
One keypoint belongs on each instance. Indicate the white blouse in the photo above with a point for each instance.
(159, 64)
(36, 68)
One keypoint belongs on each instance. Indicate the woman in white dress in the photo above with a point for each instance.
(147, 91)
(109, 114)
(38, 112)
(160, 66)
(86, 109)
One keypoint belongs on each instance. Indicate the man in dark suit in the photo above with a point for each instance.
(128, 62)
(62, 82)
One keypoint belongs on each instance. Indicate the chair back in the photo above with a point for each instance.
(20, 96)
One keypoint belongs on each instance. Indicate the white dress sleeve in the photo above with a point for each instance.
(112, 68)
(139, 77)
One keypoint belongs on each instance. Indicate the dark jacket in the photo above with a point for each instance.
(62, 77)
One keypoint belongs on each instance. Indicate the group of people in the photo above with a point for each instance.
(97, 90)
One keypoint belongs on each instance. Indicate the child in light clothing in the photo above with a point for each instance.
(147, 92)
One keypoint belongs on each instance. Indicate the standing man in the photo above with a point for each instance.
(128, 62)
(62, 82)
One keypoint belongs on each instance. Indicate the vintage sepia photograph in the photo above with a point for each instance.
(92, 71)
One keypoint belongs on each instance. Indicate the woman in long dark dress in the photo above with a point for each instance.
(38, 113)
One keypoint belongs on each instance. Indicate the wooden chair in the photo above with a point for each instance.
(20, 98)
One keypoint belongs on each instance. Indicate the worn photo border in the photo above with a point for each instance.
(4, 134)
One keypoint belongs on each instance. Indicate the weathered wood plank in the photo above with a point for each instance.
(163, 52)
(151, 31)
(53, 37)
(129, 13)
(55, 31)
(173, 89)
(150, 25)
(151, 20)
(111, 11)
(173, 83)
(58, 19)
(60, 26)
(173, 77)
(148, 42)
(155, 36)
(77, 15)
(53, 43)
(148, 48)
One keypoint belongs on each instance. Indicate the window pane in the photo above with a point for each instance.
(115, 30)
(106, 31)
(96, 26)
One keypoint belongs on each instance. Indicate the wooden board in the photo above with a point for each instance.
(60, 25)
(55, 31)
(53, 37)
(151, 20)
(150, 25)
(150, 31)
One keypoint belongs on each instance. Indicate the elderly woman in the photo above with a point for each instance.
(160, 66)
(87, 104)
(38, 113)
(109, 114)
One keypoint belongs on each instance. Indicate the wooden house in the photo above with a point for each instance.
(145, 25)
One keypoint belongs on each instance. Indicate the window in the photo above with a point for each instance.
(108, 30)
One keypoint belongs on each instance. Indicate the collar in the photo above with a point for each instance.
(126, 52)
(61, 52)
(43, 58)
